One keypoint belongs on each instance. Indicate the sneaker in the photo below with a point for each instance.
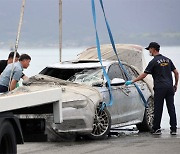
(173, 132)
(156, 132)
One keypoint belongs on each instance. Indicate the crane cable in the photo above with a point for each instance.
(110, 103)
(17, 39)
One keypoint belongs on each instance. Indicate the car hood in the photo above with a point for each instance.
(71, 92)
(129, 53)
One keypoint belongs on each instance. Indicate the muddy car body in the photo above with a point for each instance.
(127, 108)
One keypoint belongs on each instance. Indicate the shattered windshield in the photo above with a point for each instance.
(88, 76)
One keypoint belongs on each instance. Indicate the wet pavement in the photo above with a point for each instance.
(126, 142)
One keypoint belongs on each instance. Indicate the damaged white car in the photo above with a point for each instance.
(84, 89)
(127, 108)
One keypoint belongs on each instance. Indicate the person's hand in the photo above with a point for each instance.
(175, 88)
(128, 83)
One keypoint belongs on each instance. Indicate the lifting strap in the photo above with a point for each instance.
(100, 58)
(114, 49)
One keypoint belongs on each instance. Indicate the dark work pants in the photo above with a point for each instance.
(159, 95)
(3, 89)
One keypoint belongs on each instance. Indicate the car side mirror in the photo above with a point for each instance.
(117, 82)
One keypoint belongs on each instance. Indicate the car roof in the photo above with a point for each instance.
(80, 64)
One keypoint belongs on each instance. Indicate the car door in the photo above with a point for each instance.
(121, 96)
(135, 105)
(127, 105)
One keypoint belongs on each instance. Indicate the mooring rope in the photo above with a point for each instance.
(17, 39)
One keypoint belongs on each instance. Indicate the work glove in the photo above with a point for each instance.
(17, 84)
(128, 83)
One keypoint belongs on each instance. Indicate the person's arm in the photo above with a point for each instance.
(17, 73)
(140, 77)
(147, 71)
(13, 84)
(176, 75)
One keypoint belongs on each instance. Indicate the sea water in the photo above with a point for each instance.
(42, 57)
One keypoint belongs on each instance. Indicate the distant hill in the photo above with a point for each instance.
(131, 21)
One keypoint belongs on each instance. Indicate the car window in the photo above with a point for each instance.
(115, 71)
(131, 72)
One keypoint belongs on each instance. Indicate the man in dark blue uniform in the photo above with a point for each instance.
(160, 67)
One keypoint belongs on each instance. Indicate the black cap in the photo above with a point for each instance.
(153, 45)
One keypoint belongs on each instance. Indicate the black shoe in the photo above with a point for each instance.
(156, 132)
(173, 132)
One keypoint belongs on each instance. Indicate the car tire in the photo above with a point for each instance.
(7, 138)
(147, 122)
(102, 124)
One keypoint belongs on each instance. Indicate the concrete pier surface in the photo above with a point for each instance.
(127, 142)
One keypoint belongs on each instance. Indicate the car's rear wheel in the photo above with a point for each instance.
(102, 124)
(147, 122)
